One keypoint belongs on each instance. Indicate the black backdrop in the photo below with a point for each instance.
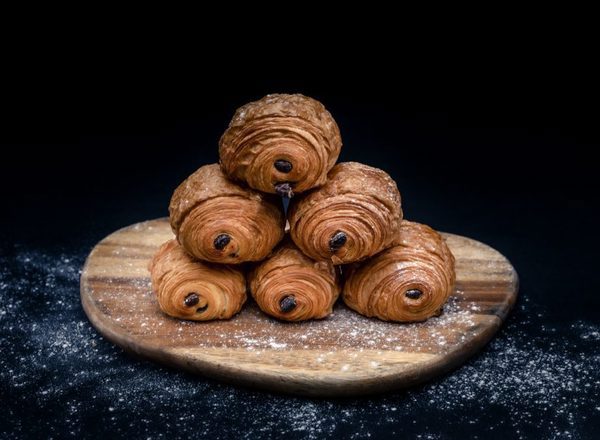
(506, 161)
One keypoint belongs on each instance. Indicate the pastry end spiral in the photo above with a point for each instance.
(281, 144)
(355, 215)
(292, 287)
(219, 221)
(408, 282)
(189, 289)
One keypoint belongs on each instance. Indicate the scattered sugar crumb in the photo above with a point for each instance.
(62, 379)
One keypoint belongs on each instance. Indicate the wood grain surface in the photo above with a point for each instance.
(345, 354)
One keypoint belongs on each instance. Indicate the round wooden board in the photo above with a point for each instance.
(345, 354)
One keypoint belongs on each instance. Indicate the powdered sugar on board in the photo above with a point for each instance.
(117, 292)
(59, 378)
(253, 330)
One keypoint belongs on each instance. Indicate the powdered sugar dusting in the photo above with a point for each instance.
(253, 330)
(59, 378)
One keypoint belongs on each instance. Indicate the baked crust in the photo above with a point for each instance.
(359, 201)
(280, 127)
(314, 286)
(207, 206)
(220, 291)
(421, 262)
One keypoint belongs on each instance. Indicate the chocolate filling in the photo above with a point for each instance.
(337, 241)
(221, 241)
(413, 293)
(287, 303)
(283, 166)
(192, 299)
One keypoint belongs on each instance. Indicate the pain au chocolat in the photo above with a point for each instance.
(281, 144)
(194, 290)
(292, 287)
(408, 282)
(356, 214)
(218, 221)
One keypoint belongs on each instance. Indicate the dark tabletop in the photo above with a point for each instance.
(510, 169)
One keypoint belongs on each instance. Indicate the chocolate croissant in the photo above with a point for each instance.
(408, 282)
(218, 221)
(356, 214)
(281, 144)
(292, 287)
(190, 289)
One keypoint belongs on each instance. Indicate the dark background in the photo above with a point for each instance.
(505, 158)
(508, 163)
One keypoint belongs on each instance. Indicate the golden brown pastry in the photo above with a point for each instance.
(281, 144)
(356, 214)
(218, 221)
(408, 282)
(190, 289)
(292, 287)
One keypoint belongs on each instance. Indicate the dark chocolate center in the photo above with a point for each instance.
(283, 166)
(337, 241)
(413, 293)
(221, 241)
(287, 303)
(192, 299)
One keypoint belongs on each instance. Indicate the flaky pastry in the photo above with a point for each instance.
(356, 214)
(292, 287)
(194, 290)
(281, 144)
(219, 221)
(408, 282)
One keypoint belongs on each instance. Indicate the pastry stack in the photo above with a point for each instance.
(344, 233)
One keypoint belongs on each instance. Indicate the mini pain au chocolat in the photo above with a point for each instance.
(408, 282)
(218, 221)
(190, 289)
(282, 144)
(292, 287)
(356, 214)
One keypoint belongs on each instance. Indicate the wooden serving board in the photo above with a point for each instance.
(345, 354)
